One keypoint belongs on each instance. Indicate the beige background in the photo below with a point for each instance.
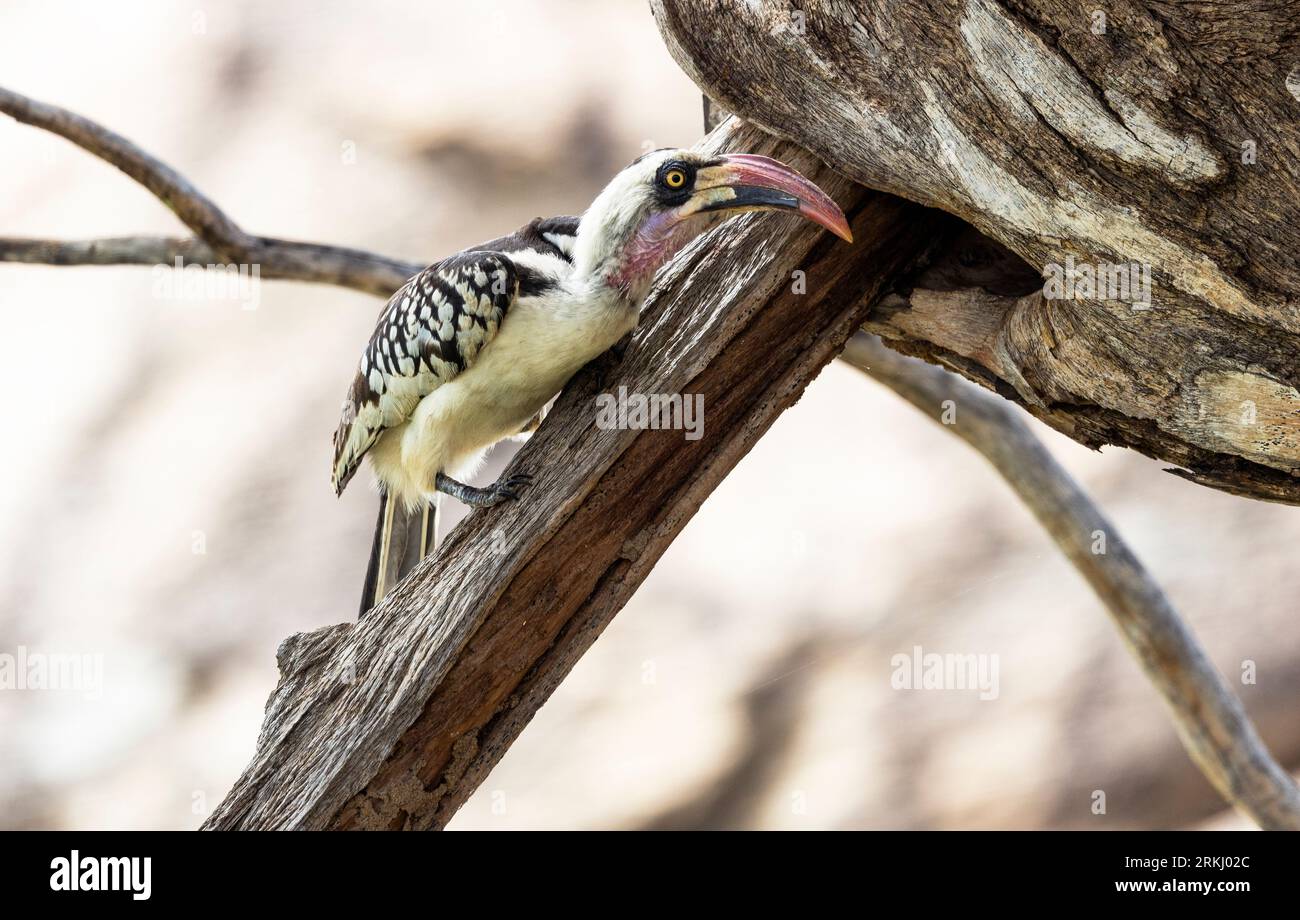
(746, 685)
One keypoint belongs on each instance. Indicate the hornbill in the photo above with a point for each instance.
(470, 350)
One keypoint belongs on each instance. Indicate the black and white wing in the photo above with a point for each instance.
(431, 330)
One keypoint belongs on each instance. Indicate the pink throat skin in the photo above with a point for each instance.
(660, 237)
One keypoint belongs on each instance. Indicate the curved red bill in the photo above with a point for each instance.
(749, 169)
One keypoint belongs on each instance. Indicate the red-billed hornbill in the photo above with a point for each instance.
(471, 349)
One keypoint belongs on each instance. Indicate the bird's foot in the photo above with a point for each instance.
(510, 486)
(505, 489)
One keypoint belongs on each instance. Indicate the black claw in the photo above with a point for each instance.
(508, 488)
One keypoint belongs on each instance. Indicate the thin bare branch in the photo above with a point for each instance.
(284, 260)
(219, 238)
(1210, 720)
(196, 210)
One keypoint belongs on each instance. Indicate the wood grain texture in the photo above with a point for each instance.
(392, 722)
(1158, 134)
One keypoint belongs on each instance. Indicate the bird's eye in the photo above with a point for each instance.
(674, 178)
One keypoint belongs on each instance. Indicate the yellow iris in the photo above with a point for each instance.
(674, 178)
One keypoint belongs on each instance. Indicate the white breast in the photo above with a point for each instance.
(543, 340)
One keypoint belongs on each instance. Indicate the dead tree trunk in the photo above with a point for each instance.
(1140, 138)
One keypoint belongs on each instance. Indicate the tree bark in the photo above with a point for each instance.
(1164, 136)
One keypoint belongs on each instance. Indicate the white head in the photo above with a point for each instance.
(664, 199)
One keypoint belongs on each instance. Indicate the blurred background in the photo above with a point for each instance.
(165, 501)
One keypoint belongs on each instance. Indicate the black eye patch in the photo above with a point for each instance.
(674, 181)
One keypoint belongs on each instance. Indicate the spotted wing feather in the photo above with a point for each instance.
(431, 330)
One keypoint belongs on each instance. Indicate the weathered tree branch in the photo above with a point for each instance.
(1042, 126)
(1211, 722)
(452, 665)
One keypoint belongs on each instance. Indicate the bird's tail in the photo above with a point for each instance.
(402, 539)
